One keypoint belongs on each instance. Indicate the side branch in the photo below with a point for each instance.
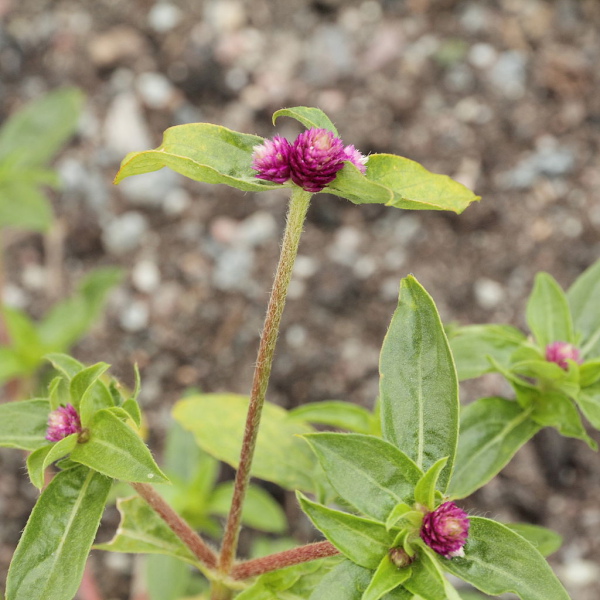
(180, 528)
(295, 556)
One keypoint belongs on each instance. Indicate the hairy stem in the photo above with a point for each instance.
(184, 532)
(298, 206)
(295, 556)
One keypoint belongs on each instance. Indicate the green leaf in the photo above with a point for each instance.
(308, 116)
(583, 299)
(411, 185)
(498, 561)
(387, 577)
(472, 344)
(83, 380)
(58, 392)
(545, 541)
(280, 455)
(368, 472)
(491, 432)
(23, 423)
(427, 581)
(11, 364)
(347, 581)
(33, 135)
(588, 402)
(418, 385)
(142, 531)
(548, 314)
(66, 365)
(24, 206)
(553, 409)
(167, 578)
(335, 413)
(260, 510)
(39, 460)
(426, 486)
(70, 319)
(351, 184)
(24, 338)
(49, 560)
(113, 448)
(589, 373)
(363, 541)
(202, 152)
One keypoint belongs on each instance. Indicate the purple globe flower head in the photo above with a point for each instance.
(272, 160)
(316, 157)
(560, 352)
(445, 530)
(357, 158)
(63, 422)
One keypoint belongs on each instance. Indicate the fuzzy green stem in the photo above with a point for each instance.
(298, 207)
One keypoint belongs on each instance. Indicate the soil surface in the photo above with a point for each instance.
(502, 95)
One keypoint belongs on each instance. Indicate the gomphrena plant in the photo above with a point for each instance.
(384, 493)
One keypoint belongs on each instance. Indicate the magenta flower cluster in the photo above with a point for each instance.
(445, 530)
(312, 161)
(560, 352)
(63, 422)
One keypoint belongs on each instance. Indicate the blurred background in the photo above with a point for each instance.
(503, 95)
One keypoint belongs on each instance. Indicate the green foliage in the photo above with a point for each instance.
(28, 140)
(53, 549)
(337, 413)
(23, 423)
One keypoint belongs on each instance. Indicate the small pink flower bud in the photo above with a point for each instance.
(272, 160)
(560, 352)
(62, 422)
(445, 530)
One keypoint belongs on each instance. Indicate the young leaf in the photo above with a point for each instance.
(548, 314)
(427, 581)
(472, 344)
(308, 116)
(368, 472)
(545, 541)
(589, 373)
(583, 299)
(39, 460)
(66, 365)
(418, 384)
(142, 531)
(426, 486)
(280, 455)
(491, 432)
(84, 379)
(24, 338)
(23, 423)
(113, 448)
(347, 581)
(260, 510)
(335, 413)
(95, 398)
(363, 541)
(202, 152)
(49, 560)
(387, 577)
(498, 561)
(589, 403)
(23, 206)
(167, 578)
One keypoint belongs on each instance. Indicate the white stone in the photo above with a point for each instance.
(488, 293)
(125, 128)
(146, 276)
(135, 317)
(155, 89)
(164, 16)
(124, 233)
(257, 229)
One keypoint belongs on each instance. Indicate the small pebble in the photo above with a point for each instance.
(488, 293)
(146, 276)
(164, 16)
(135, 317)
(124, 233)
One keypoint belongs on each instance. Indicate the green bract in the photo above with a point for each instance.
(215, 154)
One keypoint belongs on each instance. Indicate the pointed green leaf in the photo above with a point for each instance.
(308, 116)
(134, 411)
(491, 432)
(96, 397)
(58, 392)
(66, 365)
(39, 460)
(426, 486)
(387, 577)
(368, 472)
(412, 186)
(472, 344)
(11, 364)
(588, 402)
(589, 373)
(351, 184)
(49, 560)
(24, 206)
(418, 385)
(583, 299)
(83, 380)
(260, 510)
(498, 561)
(202, 152)
(142, 531)
(166, 578)
(363, 541)
(347, 581)
(427, 581)
(24, 338)
(545, 541)
(335, 413)
(280, 455)
(400, 511)
(23, 423)
(548, 314)
(113, 448)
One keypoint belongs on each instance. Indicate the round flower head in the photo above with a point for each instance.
(560, 352)
(62, 422)
(316, 157)
(271, 160)
(446, 529)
